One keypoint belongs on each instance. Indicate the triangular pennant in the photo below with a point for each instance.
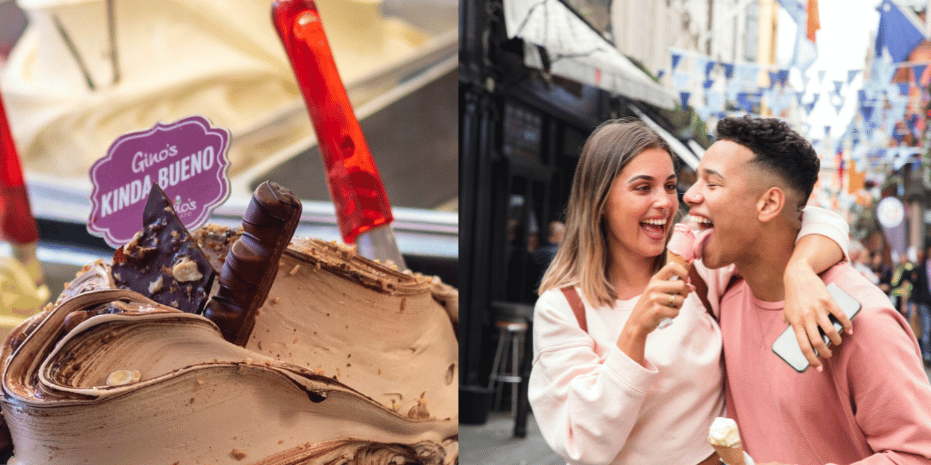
(676, 58)
(918, 73)
(660, 73)
(837, 86)
(782, 76)
(708, 67)
(898, 34)
(685, 98)
(821, 74)
(838, 105)
(809, 107)
(773, 78)
(707, 84)
(904, 88)
(867, 112)
(728, 70)
(851, 75)
(744, 102)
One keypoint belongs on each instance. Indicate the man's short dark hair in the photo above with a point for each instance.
(778, 148)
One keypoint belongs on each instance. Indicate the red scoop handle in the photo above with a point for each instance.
(17, 225)
(353, 180)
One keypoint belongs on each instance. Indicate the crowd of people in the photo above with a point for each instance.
(906, 284)
(611, 384)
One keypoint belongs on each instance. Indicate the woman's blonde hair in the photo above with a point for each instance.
(582, 258)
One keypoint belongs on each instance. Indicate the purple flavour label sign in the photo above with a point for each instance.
(186, 158)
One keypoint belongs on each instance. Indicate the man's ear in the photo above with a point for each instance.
(770, 204)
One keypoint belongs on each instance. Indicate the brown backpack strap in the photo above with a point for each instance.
(576, 303)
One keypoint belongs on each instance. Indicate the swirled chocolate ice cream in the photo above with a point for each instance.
(347, 361)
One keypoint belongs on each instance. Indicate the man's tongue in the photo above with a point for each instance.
(701, 239)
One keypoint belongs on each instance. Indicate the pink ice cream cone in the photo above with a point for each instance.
(684, 247)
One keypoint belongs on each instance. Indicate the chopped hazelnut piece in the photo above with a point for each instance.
(186, 270)
(156, 285)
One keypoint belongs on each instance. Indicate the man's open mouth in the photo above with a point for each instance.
(702, 222)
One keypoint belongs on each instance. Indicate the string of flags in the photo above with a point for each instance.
(876, 107)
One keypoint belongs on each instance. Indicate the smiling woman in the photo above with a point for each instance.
(621, 210)
(594, 197)
(641, 207)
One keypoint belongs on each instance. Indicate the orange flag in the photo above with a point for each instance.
(855, 178)
(813, 23)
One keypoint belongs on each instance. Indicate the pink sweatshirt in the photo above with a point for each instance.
(871, 405)
(595, 405)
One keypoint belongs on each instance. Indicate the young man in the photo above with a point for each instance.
(872, 401)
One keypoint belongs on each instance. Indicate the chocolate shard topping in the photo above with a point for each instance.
(163, 262)
(252, 262)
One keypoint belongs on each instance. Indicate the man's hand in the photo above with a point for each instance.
(808, 304)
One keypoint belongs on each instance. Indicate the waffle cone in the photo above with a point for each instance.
(731, 455)
(672, 257)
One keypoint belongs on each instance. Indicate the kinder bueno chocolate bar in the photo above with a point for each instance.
(252, 263)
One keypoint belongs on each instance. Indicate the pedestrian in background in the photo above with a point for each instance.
(921, 298)
(901, 282)
(883, 271)
(860, 259)
(543, 256)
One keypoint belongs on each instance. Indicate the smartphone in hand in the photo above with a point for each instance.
(786, 345)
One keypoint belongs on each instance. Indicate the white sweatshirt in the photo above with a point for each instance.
(595, 405)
